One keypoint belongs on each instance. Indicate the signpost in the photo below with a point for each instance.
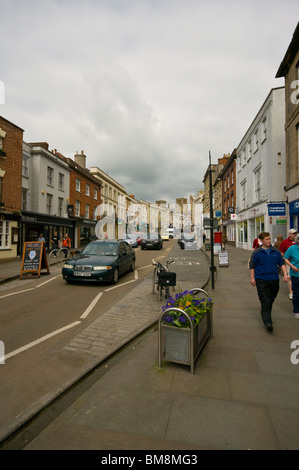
(34, 259)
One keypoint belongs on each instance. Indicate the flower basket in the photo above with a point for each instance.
(182, 334)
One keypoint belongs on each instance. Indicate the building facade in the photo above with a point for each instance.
(289, 68)
(260, 173)
(11, 142)
(45, 194)
(228, 175)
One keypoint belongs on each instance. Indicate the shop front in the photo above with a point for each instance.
(33, 224)
(294, 214)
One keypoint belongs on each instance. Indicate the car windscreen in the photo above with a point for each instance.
(152, 236)
(188, 236)
(101, 249)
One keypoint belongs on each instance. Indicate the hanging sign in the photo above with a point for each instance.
(34, 259)
(278, 208)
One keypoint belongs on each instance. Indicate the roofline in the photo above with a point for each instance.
(289, 55)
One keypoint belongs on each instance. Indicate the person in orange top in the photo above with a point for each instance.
(66, 244)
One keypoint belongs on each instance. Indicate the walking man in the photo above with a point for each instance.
(264, 274)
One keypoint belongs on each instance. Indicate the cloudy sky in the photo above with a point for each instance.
(145, 87)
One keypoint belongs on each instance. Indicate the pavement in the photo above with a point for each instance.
(244, 393)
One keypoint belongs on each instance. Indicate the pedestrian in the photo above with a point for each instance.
(66, 244)
(256, 244)
(292, 260)
(278, 241)
(285, 244)
(55, 241)
(41, 238)
(264, 267)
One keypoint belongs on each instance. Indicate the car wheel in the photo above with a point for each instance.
(132, 266)
(115, 276)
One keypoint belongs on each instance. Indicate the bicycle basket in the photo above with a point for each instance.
(166, 279)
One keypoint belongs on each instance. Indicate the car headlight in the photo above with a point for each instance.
(68, 266)
(102, 268)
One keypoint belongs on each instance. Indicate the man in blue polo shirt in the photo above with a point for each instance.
(264, 274)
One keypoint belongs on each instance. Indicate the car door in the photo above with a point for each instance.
(124, 257)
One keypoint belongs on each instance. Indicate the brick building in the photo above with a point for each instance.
(85, 197)
(11, 144)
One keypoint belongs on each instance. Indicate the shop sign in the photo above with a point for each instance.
(294, 207)
(281, 221)
(277, 208)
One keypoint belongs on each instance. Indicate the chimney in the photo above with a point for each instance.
(80, 159)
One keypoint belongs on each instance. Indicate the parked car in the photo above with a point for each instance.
(131, 239)
(100, 260)
(188, 241)
(152, 241)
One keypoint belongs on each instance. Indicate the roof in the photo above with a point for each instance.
(289, 55)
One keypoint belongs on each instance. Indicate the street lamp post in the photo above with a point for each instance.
(211, 224)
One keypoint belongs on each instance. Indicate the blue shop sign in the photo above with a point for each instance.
(294, 207)
(278, 208)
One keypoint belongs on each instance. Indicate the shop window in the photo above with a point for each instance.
(4, 234)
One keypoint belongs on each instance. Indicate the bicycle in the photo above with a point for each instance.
(163, 279)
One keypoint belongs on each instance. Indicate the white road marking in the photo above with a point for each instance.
(40, 340)
(91, 305)
(49, 280)
(19, 292)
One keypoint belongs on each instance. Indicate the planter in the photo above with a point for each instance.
(183, 345)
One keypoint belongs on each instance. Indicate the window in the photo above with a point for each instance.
(24, 201)
(264, 129)
(243, 157)
(95, 193)
(256, 141)
(61, 181)
(50, 175)
(87, 190)
(4, 234)
(77, 208)
(60, 207)
(49, 203)
(94, 213)
(25, 166)
(77, 184)
(232, 177)
(242, 232)
(243, 194)
(87, 207)
(257, 184)
(248, 150)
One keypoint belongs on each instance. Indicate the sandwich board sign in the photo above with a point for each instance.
(34, 260)
(223, 258)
